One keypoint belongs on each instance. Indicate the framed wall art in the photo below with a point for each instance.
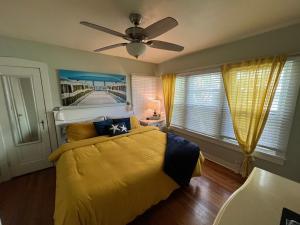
(80, 88)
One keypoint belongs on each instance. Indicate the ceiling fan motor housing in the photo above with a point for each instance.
(136, 33)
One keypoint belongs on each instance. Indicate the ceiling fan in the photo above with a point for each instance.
(139, 37)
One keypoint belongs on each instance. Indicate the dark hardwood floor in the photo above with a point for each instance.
(29, 199)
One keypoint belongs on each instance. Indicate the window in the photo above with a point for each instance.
(144, 88)
(200, 105)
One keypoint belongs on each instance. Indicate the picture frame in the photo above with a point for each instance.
(82, 89)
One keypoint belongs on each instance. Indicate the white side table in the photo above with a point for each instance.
(260, 200)
(156, 123)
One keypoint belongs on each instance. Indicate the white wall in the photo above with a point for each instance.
(286, 40)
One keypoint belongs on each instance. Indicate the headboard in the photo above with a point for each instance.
(64, 116)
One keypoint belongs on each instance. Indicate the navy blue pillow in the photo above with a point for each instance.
(117, 129)
(102, 127)
(123, 120)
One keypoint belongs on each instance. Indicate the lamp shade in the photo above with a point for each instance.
(154, 104)
(136, 48)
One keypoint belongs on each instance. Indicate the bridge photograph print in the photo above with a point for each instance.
(91, 89)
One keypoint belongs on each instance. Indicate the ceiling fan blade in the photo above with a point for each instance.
(160, 27)
(165, 45)
(103, 29)
(110, 47)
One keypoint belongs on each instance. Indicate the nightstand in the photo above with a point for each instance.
(156, 123)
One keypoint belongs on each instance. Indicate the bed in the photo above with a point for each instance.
(111, 180)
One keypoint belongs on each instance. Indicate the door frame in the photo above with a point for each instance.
(5, 173)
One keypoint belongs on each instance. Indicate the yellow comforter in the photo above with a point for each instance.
(111, 180)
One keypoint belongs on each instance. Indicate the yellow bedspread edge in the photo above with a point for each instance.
(54, 156)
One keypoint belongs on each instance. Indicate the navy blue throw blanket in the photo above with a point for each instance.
(180, 158)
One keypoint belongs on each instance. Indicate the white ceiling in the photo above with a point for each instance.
(202, 23)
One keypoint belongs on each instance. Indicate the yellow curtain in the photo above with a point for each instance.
(250, 87)
(168, 85)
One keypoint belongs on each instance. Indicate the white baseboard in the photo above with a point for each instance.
(231, 166)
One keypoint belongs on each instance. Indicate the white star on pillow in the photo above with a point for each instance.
(123, 128)
(114, 128)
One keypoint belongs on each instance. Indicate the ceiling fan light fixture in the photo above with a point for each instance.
(136, 48)
(139, 37)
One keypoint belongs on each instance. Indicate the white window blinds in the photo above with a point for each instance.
(198, 103)
(144, 88)
(201, 106)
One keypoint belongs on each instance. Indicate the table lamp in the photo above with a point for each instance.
(154, 104)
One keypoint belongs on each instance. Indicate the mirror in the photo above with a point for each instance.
(22, 109)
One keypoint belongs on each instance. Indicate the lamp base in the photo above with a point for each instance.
(154, 117)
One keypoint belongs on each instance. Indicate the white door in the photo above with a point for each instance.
(23, 121)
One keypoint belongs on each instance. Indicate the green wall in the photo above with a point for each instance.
(285, 40)
(65, 58)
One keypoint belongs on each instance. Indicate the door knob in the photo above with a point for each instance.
(43, 124)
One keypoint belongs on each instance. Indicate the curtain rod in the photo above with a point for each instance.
(182, 72)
